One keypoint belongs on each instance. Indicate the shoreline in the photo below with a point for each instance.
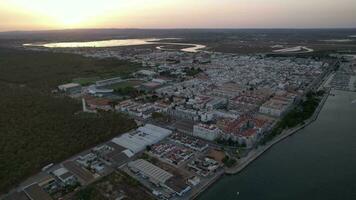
(286, 133)
(255, 154)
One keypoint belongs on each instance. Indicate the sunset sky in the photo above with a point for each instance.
(62, 14)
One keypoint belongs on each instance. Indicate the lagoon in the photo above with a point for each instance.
(120, 43)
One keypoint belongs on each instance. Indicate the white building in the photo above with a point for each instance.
(146, 72)
(207, 132)
(275, 107)
(183, 113)
(160, 81)
(70, 88)
(158, 176)
(138, 140)
(154, 174)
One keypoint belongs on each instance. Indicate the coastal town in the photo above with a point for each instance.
(177, 100)
(199, 115)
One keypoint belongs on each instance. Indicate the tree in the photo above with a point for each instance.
(148, 148)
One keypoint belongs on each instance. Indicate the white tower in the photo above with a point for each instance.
(85, 109)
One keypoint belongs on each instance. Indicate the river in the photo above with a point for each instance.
(319, 162)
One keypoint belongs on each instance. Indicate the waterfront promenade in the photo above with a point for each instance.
(254, 154)
(316, 154)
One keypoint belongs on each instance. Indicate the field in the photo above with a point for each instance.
(38, 127)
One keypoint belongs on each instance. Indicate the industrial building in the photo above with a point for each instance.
(137, 141)
(159, 177)
(155, 174)
(113, 154)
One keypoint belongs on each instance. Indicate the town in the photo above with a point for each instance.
(177, 99)
(197, 114)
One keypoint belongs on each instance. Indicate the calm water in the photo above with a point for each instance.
(317, 163)
(118, 43)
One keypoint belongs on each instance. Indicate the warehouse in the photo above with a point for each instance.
(159, 177)
(155, 174)
(144, 136)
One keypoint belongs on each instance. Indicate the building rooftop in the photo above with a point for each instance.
(138, 140)
(155, 173)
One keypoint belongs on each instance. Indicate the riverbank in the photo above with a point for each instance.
(207, 185)
(301, 165)
(254, 154)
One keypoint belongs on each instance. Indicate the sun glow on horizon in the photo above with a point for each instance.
(68, 13)
(61, 14)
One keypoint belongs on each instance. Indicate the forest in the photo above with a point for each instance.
(38, 127)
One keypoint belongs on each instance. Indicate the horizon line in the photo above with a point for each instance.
(182, 28)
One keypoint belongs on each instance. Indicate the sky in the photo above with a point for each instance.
(64, 14)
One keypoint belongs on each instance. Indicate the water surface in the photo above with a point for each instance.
(118, 43)
(318, 163)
